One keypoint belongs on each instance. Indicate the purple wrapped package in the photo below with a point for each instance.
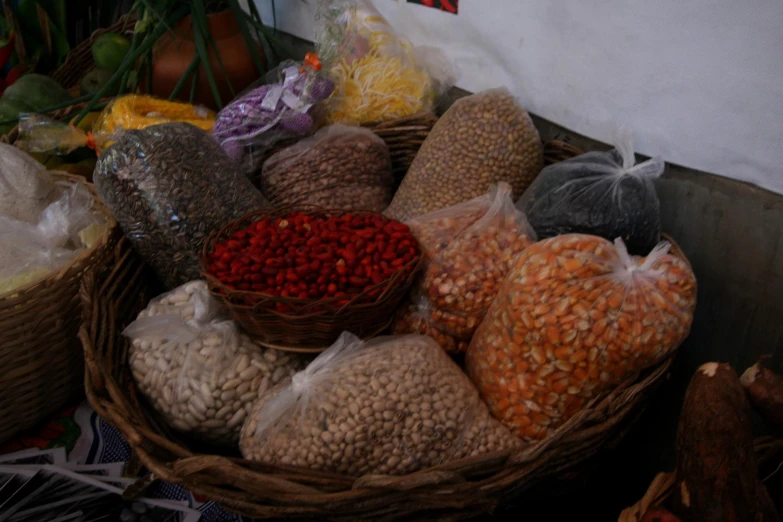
(255, 121)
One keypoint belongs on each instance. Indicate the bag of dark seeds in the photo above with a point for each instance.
(169, 186)
(599, 193)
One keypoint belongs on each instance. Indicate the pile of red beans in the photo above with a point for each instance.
(315, 256)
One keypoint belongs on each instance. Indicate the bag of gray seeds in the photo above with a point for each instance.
(393, 405)
(169, 186)
(197, 369)
(25, 186)
(599, 193)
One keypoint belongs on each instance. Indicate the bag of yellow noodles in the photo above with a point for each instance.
(38, 133)
(378, 75)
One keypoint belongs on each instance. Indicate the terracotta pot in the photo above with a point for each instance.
(175, 51)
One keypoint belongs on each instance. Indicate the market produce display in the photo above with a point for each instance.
(251, 123)
(600, 193)
(197, 369)
(340, 167)
(461, 282)
(326, 255)
(169, 186)
(576, 315)
(390, 406)
(717, 474)
(345, 256)
(482, 139)
(378, 76)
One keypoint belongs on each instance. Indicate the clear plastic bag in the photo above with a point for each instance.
(576, 316)
(169, 186)
(39, 133)
(197, 369)
(392, 405)
(378, 75)
(598, 193)
(250, 124)
(460, 283)
(339, 167)
(25, 186)
(29, 251)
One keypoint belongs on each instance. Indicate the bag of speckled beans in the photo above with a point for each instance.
(461, 281)
(576, 316)
(339, 167)
(197, 370)
(392, 405)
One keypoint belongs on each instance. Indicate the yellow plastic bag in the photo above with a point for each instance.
(378, 75)
(38, 133)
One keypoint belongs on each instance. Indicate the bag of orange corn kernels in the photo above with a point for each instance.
(576, 316)
(462, 279)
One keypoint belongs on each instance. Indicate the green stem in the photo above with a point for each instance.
(193, 86)
(199, 32)
(130, 60)
(149, 73)
(191, 68)
(134, 44)
(241, 15)
(212, 44)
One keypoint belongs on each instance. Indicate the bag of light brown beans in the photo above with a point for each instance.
(464, 276)
(339, 167)
(198, 371)
(393, 405)
(576, 316)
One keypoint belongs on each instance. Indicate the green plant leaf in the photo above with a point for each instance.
(192, 68)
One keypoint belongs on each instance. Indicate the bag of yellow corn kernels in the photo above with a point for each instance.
(463, 278)
(576, 316)
(39, 133)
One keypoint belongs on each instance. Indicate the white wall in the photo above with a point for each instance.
(700, 81)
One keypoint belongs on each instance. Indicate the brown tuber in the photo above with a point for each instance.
(765, 391)
(717, 473)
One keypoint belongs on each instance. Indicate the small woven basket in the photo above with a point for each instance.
(768, 449)
(40, 355)
(308, 324)
(404, 138)
(456, 490)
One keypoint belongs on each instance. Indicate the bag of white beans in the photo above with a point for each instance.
(197, 369)
(393, 405)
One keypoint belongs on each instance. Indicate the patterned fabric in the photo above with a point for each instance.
(88, 439)
(450, 6)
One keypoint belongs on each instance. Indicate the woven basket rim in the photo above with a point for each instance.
(82, 256)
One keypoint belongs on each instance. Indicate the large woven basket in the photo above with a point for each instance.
(40, 354)
(306, 324)
(456, 490)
